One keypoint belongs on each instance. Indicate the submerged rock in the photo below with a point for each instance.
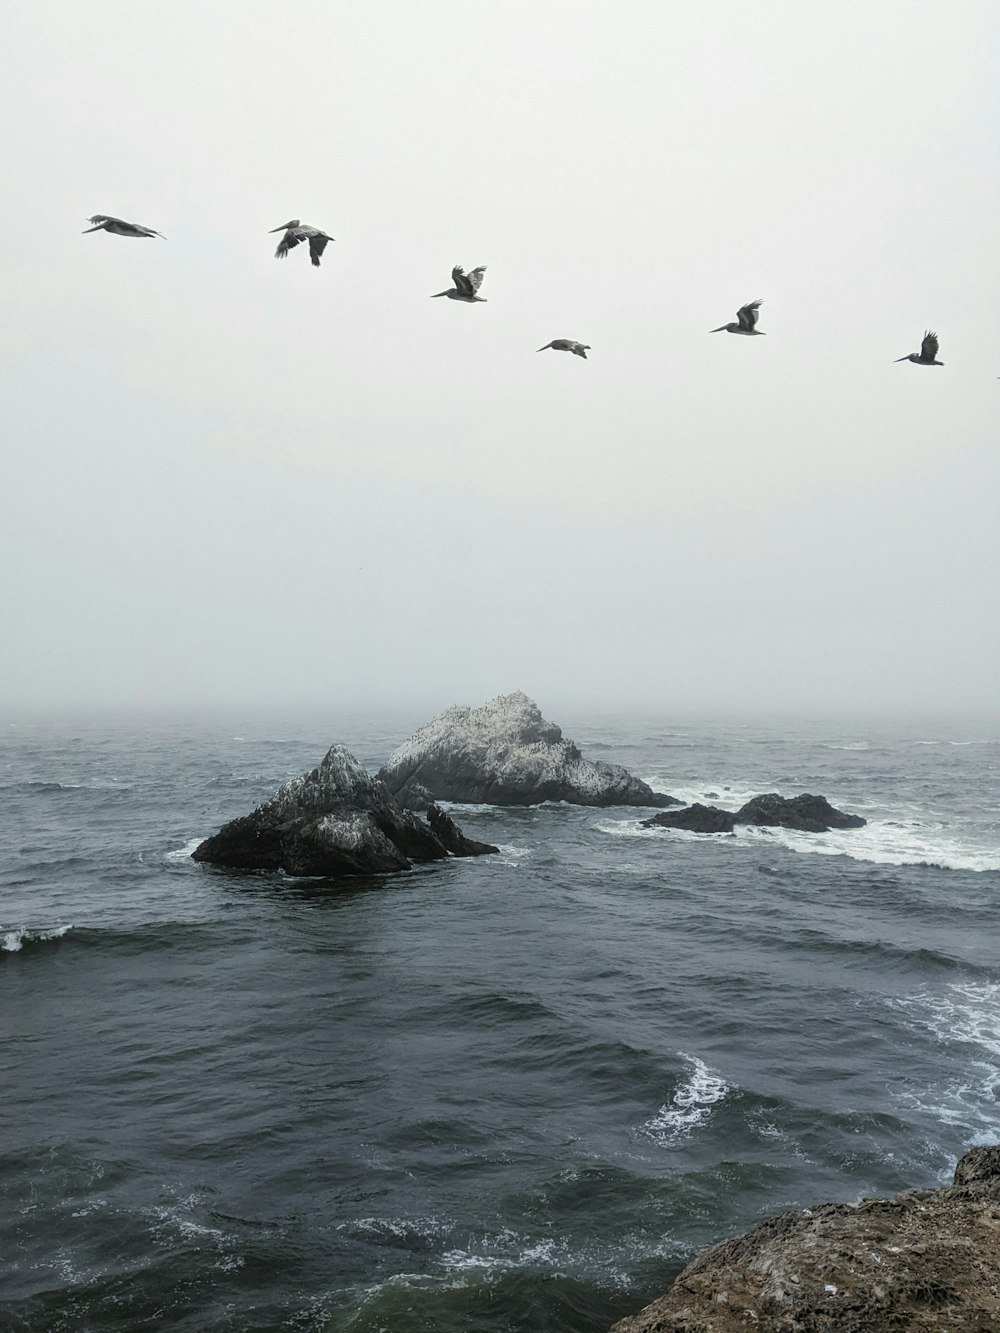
(505, 753)
(811, 814)
(336, 820)
(921, 1260)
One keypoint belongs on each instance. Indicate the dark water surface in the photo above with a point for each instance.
(514, 1093)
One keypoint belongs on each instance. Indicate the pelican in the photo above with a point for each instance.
(927, 354)
(466, 285)
(567, 345)
(102, 222)
(746, 320)
(296, 231)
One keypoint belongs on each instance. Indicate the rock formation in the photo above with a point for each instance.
(336, 820)
(452, 837)
(811, 814)
(505, 753)
(922, 1260)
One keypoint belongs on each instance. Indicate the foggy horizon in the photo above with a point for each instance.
(239, 484)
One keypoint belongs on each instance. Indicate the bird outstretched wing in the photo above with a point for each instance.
(317, 244)
(475, 278)
(929, 346)
(288, 242)
(747, 314)
(462, 281)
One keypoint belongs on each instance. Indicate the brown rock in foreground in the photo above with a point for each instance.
(922, 1260)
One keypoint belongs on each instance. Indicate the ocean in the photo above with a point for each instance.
(518, 1092)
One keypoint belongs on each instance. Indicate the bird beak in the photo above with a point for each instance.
(439, 294)
(274, 229)
(720, 329)
(902, 358)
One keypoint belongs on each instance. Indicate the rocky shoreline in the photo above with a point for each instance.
(922, 1260)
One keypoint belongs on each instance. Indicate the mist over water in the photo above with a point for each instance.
(512, 1093)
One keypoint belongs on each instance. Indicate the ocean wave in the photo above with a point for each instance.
(512, 855)
(42, 787)
(689, 1107)
(725, 796)
(963, 1017)
(632, 828)
(961, 744)
(506, 1253)
(184, 853)
(901, 842)
(13, 941)
(885, 842)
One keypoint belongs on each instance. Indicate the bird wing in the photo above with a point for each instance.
(747, 314)
(475, 278)
(462, 281)
(929, 346)
(288, 242)
(98, 218)
(317, 244)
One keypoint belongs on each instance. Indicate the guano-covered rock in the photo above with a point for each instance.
(505, 753)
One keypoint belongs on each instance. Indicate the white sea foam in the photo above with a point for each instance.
(512, 855)
(400, 1228)
(184, 853)
(903, 842)
(507, 1250)
(725, 795)
(12, 941)
(965, 1017)
(914, 838)
(690, 1106)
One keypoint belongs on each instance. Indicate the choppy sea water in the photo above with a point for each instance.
(513, 1093)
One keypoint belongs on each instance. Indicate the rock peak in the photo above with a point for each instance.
(504, 753)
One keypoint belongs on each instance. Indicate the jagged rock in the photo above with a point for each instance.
(811, 814)
(696, 818)
(336, 820)
(505, 753)
(445, 829)
(922, 1260)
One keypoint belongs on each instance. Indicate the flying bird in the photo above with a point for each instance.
(567, 345)
(927, 354)
(102, 222)
(466, 285)
(296, 231)
(746, 320)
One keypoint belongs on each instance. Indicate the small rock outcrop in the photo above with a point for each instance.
(696, 818)
(921, 1260)
(505, 753)
(452, 837)
(336, 820)
(811, 814)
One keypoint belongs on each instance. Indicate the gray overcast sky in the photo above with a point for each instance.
(234, 480)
